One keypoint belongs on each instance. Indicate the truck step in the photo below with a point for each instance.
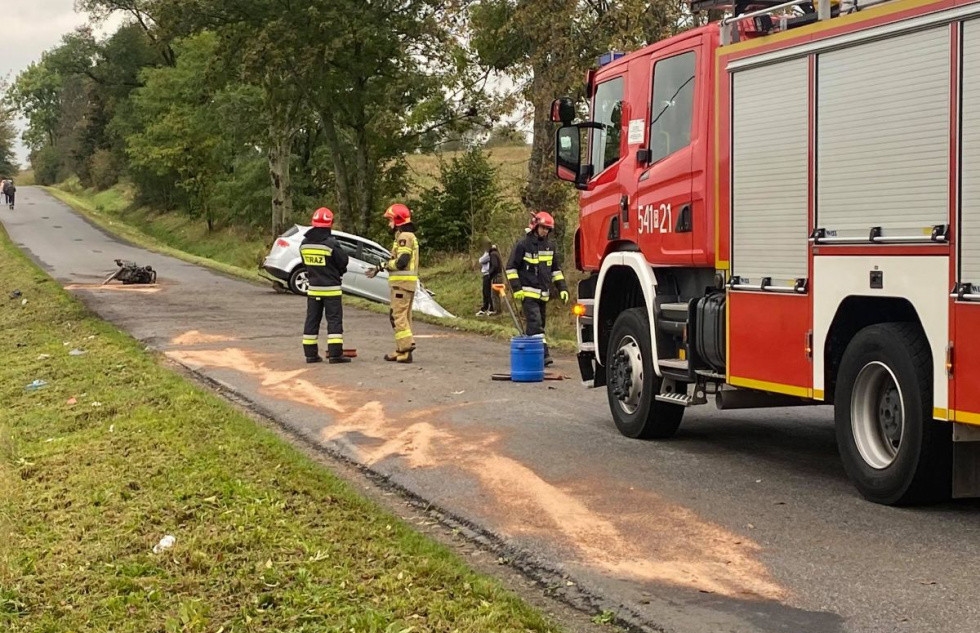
(674, 364)
(674, 311)
(681, 399)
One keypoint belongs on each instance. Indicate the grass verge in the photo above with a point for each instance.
(454, 280)
(116, 451)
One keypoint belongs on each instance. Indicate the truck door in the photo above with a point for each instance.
(665, 167)
(601, 212)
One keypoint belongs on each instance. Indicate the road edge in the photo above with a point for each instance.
(554, 583)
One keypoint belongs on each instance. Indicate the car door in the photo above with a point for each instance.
(354, 278)
(376, 288)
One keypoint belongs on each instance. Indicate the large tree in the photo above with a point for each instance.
(547, 46)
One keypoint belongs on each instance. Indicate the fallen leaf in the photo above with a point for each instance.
(72, 401)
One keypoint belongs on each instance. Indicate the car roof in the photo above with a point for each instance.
(356, 238)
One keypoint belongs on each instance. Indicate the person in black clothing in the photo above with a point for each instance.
(491, 267)
(326, 263)
(532, 269)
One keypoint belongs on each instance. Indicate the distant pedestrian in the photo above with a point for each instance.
(9, 190)
(491, 267)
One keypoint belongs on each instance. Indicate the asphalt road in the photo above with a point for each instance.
(744, 522)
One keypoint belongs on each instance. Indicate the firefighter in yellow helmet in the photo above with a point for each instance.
(403, 280)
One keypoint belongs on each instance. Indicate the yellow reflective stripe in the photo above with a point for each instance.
(334, 339)
(531, 260)
(403, 277)
(512, 274)
(324, 291)
(402, 334)
(531, 292)
(557, 275)
(314, 248)
(309, 339)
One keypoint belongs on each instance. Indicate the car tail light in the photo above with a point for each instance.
(281, 242)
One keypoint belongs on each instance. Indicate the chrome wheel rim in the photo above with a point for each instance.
(877, 415)
(628, 375)
(303, 282)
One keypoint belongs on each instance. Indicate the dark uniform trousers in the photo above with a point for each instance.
(535, 311)
(316, 309)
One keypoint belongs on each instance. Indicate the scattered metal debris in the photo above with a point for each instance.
(132, 273)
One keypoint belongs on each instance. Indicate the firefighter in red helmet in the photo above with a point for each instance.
(535, 266)
(326, 263)
(403, 280)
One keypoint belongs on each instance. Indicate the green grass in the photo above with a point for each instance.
(266, 539)
(455, 280)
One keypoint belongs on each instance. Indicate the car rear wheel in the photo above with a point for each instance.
(299, 280)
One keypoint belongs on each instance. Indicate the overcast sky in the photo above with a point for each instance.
(28, 28)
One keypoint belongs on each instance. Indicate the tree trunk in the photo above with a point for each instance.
(341, 173)
(280, 150)
(544, 192)
(365, 183)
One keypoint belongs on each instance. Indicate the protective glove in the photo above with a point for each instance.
(518, 296)
(564, 296)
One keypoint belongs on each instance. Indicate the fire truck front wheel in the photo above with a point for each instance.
(892, 449)
(632, 383)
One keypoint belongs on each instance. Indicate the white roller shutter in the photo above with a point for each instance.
(970, 165)
(883, 136)
(769, 173)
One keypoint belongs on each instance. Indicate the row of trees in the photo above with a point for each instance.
(225, 109)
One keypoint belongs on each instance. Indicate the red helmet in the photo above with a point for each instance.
(323, 218)
(397, 215)
(543, 218)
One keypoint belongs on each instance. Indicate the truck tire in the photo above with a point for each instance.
(299, 280)
(892, 449)
(632, 382)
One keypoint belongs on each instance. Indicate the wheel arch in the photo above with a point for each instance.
(853, 315)
(626, 280)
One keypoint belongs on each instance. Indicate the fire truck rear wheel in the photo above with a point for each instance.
(632, 383)
(892, 449)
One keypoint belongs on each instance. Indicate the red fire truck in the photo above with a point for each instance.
(783, 208)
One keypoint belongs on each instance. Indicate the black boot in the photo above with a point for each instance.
(336, 360)
(314, 359)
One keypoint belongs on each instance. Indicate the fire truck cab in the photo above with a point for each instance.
(783, 208)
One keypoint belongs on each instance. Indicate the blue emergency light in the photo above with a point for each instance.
(610, 57)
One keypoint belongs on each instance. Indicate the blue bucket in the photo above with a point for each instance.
(526, 359)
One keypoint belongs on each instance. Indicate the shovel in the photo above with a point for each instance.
(502, 291)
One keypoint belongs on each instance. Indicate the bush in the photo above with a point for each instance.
(103, 170)
(46, 163)
(453, 215)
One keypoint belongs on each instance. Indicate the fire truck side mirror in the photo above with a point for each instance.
(569, 144)
(563, 111)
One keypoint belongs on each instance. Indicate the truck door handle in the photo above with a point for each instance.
(624, 209)
(684, 220)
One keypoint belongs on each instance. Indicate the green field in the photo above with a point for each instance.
(116, 451)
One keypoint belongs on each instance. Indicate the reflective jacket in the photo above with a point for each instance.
(325, 261)
(403, 267)
(534, 266)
